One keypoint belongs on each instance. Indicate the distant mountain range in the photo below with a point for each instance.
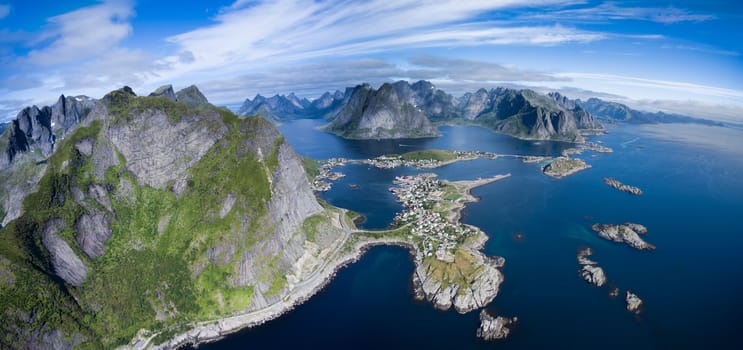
(613, 111)
(401, 109)
(282, 108)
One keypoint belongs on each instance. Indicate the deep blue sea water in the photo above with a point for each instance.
(692, 284)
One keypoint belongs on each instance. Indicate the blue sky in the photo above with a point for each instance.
(677, 56)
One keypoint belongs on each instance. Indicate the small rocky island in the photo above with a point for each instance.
(493, 328)
(634, 303)
(611, 182)
(590, 272)
(625, 233)
(564, 166)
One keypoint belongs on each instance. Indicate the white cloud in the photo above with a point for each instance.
(638, 88)
(83, 33)
(611, 11)
(259, 33)
(4, 10)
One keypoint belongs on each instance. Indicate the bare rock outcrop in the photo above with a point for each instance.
(625, 233)
(593, 275)
(590, 271)
(93, 230)
(493, 328)
(481, 288)
(634, 303)
(66, 264)
(158, 151)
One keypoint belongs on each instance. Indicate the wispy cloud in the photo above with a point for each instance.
(645, 84)
(83, 33)
(285, 31)
(475, 71)
(612, 11)
(311, 80)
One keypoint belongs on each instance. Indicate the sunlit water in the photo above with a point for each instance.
(691, 285)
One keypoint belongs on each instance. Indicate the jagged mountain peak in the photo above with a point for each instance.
(165, 91)
(191, 96)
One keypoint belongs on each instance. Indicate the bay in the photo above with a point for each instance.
(692, 206)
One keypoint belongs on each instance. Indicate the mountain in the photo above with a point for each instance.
(613, 111)
(140, 216)
(3, 126)
(283, 108)
(526, 114)
(406, 110)
(392, 111)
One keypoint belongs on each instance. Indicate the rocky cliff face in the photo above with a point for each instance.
(149, 212)
(521, 113)
(390, 112)
(36, 130)
(527, 114)
(402, 109)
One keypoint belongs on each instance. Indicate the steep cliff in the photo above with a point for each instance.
(405, 110)
(527, 114)
(148, 214)
(390, 112)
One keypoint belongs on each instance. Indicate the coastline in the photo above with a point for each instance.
(215, 330)
(350, 247)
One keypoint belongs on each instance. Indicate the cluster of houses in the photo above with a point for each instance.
(436, 235)
(318, 183)
(390, 162)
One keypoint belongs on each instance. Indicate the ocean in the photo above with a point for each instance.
(692, 178)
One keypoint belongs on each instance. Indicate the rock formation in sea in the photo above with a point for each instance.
(634, 303)
(590, 272)
(611, 182)
(494, 328)
(563, 166)
(624, 233)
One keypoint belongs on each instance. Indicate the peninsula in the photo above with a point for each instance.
(450, 269)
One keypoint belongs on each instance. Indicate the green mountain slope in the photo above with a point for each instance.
(151, 215)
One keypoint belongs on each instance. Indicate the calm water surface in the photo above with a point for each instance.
(691, 285)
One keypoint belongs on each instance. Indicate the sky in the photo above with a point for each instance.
(674, 56)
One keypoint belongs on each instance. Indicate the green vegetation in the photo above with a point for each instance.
(462, 271)
(155, 273)
(311, 167)
(430, 154)
(311, 225)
